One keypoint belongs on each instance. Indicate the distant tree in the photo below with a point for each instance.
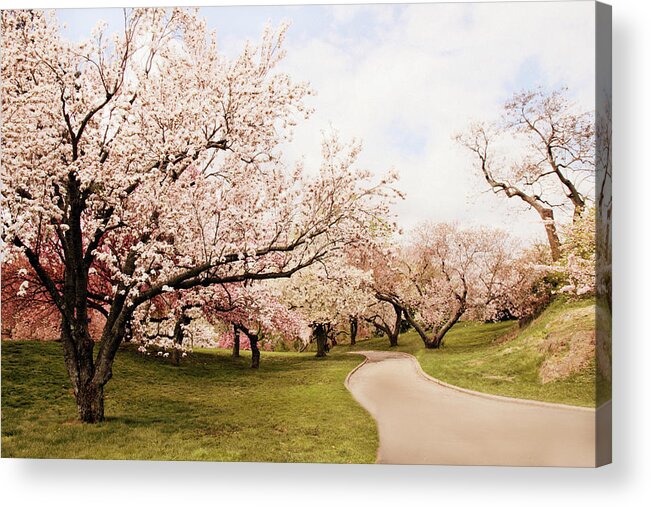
(548, 161)
(448, 271)
(382, 261)
(256, 311)
(27, 310)
(328, 297)
(445, 272)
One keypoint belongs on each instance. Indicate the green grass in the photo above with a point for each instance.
(295, 408)
(500, 359)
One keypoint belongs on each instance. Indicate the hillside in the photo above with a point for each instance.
(551, 359)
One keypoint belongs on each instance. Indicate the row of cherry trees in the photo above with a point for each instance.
(145, 192)
(445, 273)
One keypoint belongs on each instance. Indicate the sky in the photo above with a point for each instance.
(404, 78)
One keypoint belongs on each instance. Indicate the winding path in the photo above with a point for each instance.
(423, 421)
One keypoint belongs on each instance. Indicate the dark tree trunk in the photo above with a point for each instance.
(90, 403)
(395, 332)
(88, 373)
(321, 335)
(236, 341)
(353, 330)
(255, 352)
(253, 341)
(435, 340)
(78, 354)
(179, 335)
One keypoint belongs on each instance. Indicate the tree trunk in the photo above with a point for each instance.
(236, 341)
(547, 216)
(434, 342)
(395, 332)
(427, 340)
(436, 339)
(253, 341)
(255, 352)
(179, 334)
(78, 354)
(353, 330)
(90, 403)
(321, 335)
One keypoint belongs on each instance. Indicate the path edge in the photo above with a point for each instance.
(350, 373)
(496, 397)
(347, 386)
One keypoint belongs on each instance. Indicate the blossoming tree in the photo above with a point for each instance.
(150, 157)
(329, 296)
(257, 312)
(383, 261)
(445, 272)
(577, 265)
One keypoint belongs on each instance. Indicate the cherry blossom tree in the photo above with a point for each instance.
(149, 156)
(520, 288)
(328, 296)
(550, 163)
(27, 311)
(383, 260)
(445, 272)
(257, 312)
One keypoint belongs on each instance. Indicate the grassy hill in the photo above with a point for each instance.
(212, 407)
(552, 359)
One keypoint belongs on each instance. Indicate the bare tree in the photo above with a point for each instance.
(557, 161)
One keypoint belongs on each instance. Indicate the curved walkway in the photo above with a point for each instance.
(423, 421)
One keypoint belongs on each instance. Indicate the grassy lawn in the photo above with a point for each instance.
(497, 359)
(212, 407)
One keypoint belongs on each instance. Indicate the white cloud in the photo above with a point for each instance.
(415, 76)
(405, 77)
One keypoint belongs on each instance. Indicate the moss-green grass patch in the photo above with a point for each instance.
(213, 407)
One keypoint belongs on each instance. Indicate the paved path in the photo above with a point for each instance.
(421, 421)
